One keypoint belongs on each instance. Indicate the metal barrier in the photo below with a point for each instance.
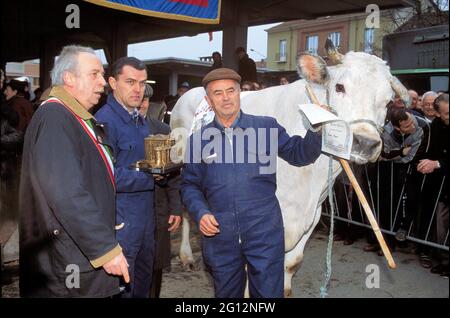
(387, 186)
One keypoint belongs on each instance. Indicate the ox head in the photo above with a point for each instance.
(359, 87)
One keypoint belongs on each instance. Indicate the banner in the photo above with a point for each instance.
(198, 11)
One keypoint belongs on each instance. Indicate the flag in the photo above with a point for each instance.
(199, 11)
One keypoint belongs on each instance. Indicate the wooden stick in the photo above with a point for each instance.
(362, 198)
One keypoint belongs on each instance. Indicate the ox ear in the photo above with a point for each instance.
(332, 52)
(312, 68)
(400, 90)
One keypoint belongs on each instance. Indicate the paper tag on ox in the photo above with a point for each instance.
(203, 116)
(337, 139)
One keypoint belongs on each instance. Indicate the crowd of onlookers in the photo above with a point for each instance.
(408, 185)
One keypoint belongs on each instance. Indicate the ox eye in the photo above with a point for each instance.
(340, 88)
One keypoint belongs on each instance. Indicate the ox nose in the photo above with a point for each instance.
(366, 144)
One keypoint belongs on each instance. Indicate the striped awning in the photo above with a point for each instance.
(198, 11)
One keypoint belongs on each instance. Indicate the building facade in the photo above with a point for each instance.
(350, 32)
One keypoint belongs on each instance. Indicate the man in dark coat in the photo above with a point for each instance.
(14, 92)
(229, 189)
(247, 67)
(168, 208)
(126, 130)
(67, 213)
(435, 166)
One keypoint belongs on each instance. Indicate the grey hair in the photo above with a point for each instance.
(67, 62)
(431, 94)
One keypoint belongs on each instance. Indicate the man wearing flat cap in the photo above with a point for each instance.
(228, 187)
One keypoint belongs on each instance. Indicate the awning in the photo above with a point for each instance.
(419, 71)
(198, 11)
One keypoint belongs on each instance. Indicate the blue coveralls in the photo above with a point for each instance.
(135, 195)
(243, 202)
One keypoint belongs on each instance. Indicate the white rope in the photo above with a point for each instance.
(324, 288)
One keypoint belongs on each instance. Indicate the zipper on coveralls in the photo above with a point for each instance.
(229, 134)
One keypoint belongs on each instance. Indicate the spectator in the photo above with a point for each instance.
(154, 110)
(15, 92)
(284, 80)
(217, 61)
(168, 207)
(170, 100)
(247, 86)
(428, 105)
(435, 166)
(419, 103)
(405, 140)
(414, 108)
(11, 145)
(247, 67)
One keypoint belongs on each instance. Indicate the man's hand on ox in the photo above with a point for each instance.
(118, 266)
(174, 221)
(427, 166)
(209, 225)
(327, 108)
(318, 128)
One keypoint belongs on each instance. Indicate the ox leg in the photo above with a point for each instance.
(294, 258)
(186, 256)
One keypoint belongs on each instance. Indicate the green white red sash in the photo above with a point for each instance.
(103, 151)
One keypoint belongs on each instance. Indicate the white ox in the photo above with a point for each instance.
(359, 88)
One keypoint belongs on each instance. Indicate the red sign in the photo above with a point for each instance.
(200, 3)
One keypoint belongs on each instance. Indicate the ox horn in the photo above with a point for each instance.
(400, 91)
(332, 52)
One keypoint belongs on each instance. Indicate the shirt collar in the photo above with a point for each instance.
(233, 125)
(242, 121)
(71, 102)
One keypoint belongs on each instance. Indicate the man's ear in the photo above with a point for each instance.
(112, 82)
(69, 79)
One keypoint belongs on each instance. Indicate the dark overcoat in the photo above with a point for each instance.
(67, 209)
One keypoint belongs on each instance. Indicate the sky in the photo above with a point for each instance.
(199, 46)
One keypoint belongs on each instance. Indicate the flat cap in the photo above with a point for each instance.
(220, 74)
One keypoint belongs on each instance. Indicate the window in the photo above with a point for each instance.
(335, 37)
(368, 40)
(283, 53)
(312, 44)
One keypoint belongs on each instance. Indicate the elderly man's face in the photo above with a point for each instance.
(428, 106)
(224, 98)
(129, 87)
(89, 83)
(144, 106)
(414, 98)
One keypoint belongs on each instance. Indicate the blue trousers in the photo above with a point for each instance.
(138, 244)
(226, 260)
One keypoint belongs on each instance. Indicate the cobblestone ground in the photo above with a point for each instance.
(349, 274)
